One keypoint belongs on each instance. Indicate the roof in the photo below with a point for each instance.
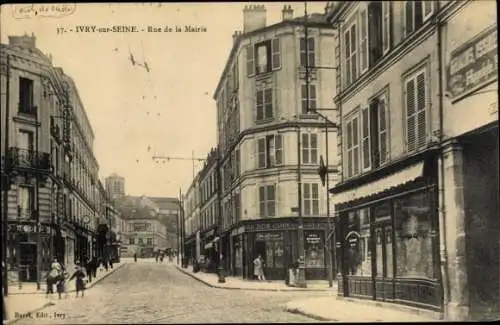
(313, 20)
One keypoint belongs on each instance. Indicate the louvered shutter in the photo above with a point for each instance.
(410, 115)
(363, 46)
(421, 110)
(355, 142)
(271, 200)
(365, 138)
(303, 95)
(305, 148)
(302, 50)
(315, 199)
(311, 52)
(408, 26)
(347, 59)
(268, 103)
(349, 148)
(278, 147)
(354, 54)
(276, 54)
(382, 126)
(261, 152)
(259, 104)
(250, 60)
(312, 97)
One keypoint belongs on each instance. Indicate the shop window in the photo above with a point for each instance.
(414, 258)
(273, 245)
(357, 243)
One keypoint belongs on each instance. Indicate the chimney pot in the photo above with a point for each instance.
(287, 12)
(254, 17)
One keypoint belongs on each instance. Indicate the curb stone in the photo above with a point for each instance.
(239, 288)
(48, 304)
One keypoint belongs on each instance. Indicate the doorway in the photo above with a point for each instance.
(28, 262)
(383, 266)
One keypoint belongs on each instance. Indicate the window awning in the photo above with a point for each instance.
(403, 176)
(211, 243)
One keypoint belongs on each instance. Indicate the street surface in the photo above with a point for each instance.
(146, 292)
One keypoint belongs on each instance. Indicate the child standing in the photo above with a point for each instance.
(80, 284)
(61, 284)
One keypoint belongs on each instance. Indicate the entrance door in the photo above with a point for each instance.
(28, 271)
(384, 267)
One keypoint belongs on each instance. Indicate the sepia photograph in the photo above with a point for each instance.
(249, 162)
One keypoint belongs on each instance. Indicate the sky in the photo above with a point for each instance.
(136, 115)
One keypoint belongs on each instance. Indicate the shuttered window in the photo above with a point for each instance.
(309, 148)
(275, 54)
(416, 13)
(416, 111)
(262, 152)
(264, 104)
(350, 55)
(278, 147)
(267, 201)
(307, 57)
(352, 134)
(270, 151)
(306, 107)
(363, 46)
(250, 60)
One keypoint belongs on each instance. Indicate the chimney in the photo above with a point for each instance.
(254, 17)
(287, 12)
(24, 41)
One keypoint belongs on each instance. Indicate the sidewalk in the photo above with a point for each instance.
(335, 309)
(30, 300)
(234, 283)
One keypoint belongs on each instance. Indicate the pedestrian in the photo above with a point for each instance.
(94, 267)
(156, 257)
(111, 262)
(135, 257)
(52, 276)
(79, 275)
(105, 262)
(88, 269)
(259, 268)
(61, 284)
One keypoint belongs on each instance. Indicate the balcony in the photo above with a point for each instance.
(25, 158)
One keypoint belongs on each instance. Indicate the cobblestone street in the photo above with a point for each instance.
(147, 292)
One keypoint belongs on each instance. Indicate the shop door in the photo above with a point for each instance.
(383, 266)
(28, 271)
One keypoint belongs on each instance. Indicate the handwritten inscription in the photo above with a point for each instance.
(40, 314)
(43, 10)
(131, 29)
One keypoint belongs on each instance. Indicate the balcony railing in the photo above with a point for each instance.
(26, 158)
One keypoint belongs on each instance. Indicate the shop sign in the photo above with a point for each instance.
(28, 228)
(269, 236)
(474, 64)
(352, 238)
(313, 239)
(268, 226)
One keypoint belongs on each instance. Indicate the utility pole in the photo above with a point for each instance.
(7, 182)
(179, 225)
(37, 198)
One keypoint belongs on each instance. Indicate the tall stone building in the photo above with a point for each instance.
(115, 186)
(49, 171)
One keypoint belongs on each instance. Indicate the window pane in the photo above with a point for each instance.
(355, 132)
(262, 152)
(414, 256)
(271, 209)
(270, 192)
(307, 192)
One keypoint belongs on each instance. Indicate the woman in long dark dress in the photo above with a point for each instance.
(80, 284)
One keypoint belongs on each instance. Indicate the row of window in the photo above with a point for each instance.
(365, 45)
(209, 215)
(231, 210)
(270, 151)
(367, 130)
(208, 187)
(265, 56)
(268, 201)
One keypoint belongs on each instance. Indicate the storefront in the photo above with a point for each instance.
(276, 241)
(387, 230)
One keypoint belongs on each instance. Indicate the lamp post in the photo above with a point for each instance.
(301, 281)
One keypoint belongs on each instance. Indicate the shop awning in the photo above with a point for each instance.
(211, 243)
(403, 176)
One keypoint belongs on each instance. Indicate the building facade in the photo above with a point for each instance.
(269, 142)
(201, 234)
(115, 185)
(192, 224)
(144, 236)
(401, 218)
(49, 170)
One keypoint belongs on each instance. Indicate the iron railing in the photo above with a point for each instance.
(26, 158)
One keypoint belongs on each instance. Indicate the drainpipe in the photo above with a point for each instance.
(443, 252)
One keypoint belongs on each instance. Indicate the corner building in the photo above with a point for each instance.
(262, 124)
(411, 215)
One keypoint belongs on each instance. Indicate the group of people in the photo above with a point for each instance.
(160, 255)
(58, 275)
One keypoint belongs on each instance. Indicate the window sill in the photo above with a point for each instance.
(264, 121)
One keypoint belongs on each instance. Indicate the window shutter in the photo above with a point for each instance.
(260, 104)
(347, 59)
(276, 54)
(303, 94)
(312, 97)
(386, 26)
(276, 100)
(278, 145)
(354, 59)
(250, 60)
(365, 138)
(271, 201)
(305, 148)
(349, 148)
(408, 17)
(363, 46)
(421, 110)
(268, 103)
(315, 199)
(302, 51)
(382, 126)
(306, 199)
(311, 52)
(355, 141)
(261, 152)
(410, 114)
(314, 148)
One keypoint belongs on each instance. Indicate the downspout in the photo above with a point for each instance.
(443, 253)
